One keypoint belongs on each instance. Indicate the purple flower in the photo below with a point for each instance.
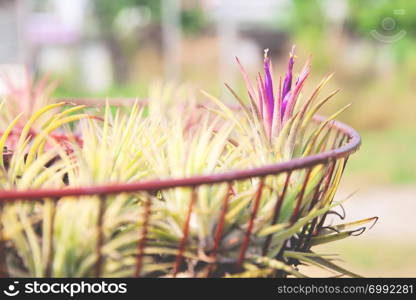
(275, 110)
(287, 84)
(268, 86)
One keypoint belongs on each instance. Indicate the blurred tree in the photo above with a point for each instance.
(123, 47)
(193, 18)
(393, 21)
(107, 10)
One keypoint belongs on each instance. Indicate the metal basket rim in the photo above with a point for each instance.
(352, 145)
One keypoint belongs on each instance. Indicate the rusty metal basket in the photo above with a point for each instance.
(344, 142)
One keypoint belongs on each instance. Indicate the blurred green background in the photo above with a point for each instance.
(106, 48)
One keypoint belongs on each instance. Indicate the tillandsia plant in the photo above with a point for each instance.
(279, 118)
(27, 103)
(230, 225)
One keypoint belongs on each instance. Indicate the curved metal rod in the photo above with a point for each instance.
(350, 147)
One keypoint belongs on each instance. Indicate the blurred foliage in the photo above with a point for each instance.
(107, 10)
(363, 15)
(310, 23)
(193, 18)
(366, 15)
(308, 13)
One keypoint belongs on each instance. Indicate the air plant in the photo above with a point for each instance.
(261, 226)
(28, 102)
